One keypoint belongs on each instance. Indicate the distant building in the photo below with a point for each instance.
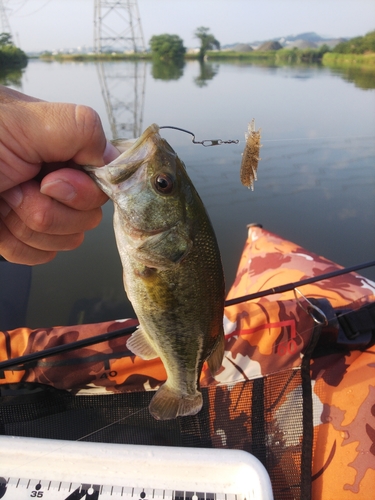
(301, 44)
(194, 50)
(242, 47)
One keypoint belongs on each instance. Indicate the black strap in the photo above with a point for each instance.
(357, 328)
(308, 429)
(258, 421)
(346, 329)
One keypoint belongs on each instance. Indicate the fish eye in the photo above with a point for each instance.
(163, 183)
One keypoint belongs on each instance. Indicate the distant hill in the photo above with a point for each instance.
(310, 36)
(302, 40)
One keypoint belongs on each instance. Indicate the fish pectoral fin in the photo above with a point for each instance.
(139, 344)
(168, 403)
(216, 357)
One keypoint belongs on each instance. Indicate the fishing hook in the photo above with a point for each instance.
(206, 142)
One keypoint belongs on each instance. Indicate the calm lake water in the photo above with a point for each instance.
(316, 179)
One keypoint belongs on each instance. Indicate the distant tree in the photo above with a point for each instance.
(358, 45)
(208, 41)
(323, 49)
(10, 55)
(167, 47)
(5, 39)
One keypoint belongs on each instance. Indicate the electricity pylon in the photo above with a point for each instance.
(4, 23)
(117, 26)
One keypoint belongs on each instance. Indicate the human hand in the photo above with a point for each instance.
(46, 201)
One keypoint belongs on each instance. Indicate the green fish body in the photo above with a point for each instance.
(173, 274)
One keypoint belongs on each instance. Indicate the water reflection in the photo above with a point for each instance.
(207, 72)
(123, 91)
(316, 182)
(11, 77)
(174, 70)
(167, 70)
(362, 77)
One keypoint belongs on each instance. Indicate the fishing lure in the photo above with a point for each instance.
(250, 156)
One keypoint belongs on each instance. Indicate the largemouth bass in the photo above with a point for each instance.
(173, 274)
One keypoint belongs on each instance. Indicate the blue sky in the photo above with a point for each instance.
(52, 24)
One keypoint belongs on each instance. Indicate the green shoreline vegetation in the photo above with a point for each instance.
(335, 59)
(11, 57)
(354, 59)
(282, 56)
(359, 52)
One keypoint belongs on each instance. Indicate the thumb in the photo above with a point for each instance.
(58, 132)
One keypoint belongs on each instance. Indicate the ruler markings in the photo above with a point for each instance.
(65, 490)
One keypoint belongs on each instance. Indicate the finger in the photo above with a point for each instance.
(74, 188)
(40, 241)
(60, 132)
(9, 95)
(13, 169)
(46, 215)
(17, 252)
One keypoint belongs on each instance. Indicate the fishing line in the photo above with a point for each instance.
(218, 142)
(206, 142)
(127, 330)
(53, 351)
(111, 424)
(122, 419)
(19, 8)
(59, 448)
(33, 12)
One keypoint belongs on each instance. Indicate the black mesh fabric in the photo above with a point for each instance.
(262, 416)
(113, 418)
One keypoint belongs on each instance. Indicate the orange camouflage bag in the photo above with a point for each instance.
(296, 387)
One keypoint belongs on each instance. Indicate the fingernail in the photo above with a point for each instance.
(110, 153)
(59, 190)
(13, 196)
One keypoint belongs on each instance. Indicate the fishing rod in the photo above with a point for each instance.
(71, 346)
(291, 286)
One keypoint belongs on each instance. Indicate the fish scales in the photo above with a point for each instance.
(172, 268)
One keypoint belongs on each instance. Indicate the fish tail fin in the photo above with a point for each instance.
(216, 357)
(168, 404)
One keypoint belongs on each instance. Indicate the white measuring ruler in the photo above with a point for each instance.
(71, 470)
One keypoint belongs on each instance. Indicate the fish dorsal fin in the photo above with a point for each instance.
(216, 357)
(140, 345)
